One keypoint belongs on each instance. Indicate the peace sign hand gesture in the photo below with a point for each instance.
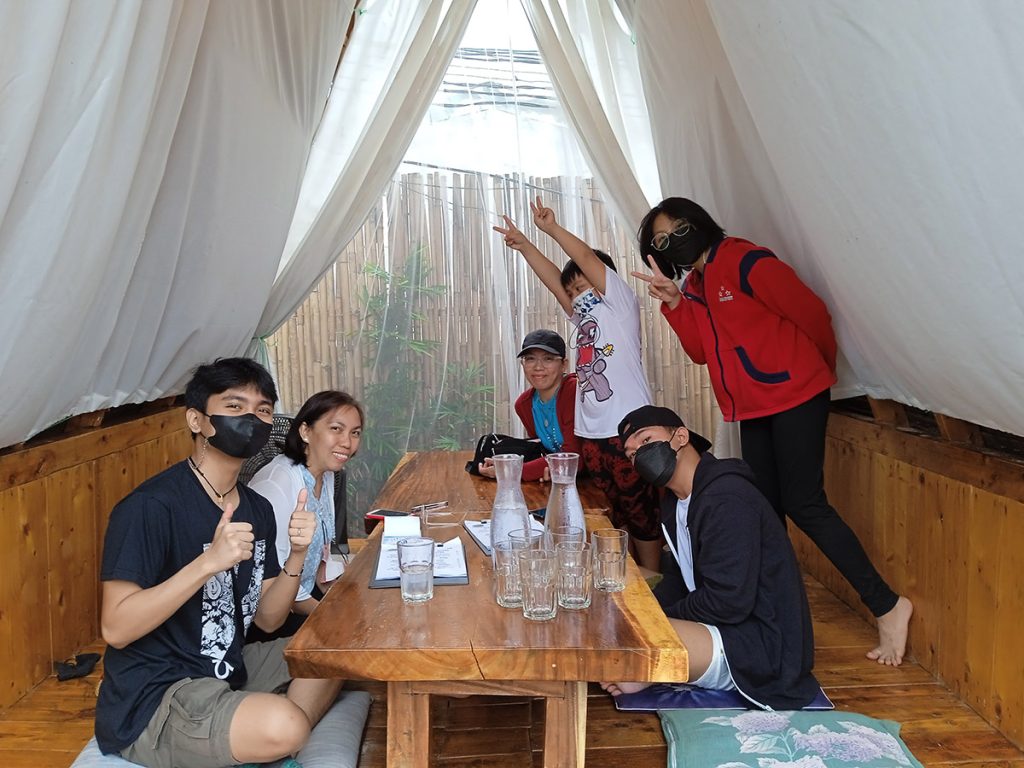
(543, 217)
(514, 238)
(660, 286)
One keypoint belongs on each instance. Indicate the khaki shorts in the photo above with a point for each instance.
(192, 725)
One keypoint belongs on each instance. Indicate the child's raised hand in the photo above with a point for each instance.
(660, 286)
(543, 217)
(514, 238)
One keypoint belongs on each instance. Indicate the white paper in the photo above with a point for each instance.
(449, 556)
(395, 528)
(480, 530)
(402, 527)
(449, 559)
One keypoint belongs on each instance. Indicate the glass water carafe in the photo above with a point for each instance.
(564, 506)
(509, 511)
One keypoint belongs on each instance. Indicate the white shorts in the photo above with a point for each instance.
(718, 677)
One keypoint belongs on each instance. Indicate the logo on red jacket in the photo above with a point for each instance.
(724, 294)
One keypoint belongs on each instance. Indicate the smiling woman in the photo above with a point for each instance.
(324, 435)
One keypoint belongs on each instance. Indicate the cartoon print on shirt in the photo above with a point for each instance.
(219, 625)
(591, 360)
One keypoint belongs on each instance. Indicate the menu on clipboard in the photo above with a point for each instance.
(480, 530)
(449, 556)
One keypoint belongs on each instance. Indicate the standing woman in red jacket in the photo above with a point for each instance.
(768, 342)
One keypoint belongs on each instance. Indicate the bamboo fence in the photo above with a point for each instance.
(448, 218)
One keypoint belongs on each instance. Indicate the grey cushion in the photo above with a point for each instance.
(334, 742)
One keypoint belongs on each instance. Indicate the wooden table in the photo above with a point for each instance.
(463, 642)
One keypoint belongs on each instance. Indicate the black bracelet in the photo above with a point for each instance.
(293, 575)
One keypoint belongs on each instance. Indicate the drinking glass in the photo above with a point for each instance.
(528, 538)
(610, 547)
(575, 574)
(537, 577)
(416, 567)
(565, 533)
(507, 589)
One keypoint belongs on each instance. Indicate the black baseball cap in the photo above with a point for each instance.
(657, 416)
(544, 339)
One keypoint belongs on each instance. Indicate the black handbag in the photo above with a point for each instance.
(494, 444)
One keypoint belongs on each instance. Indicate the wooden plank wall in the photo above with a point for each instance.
(55, 499)
(944, 524)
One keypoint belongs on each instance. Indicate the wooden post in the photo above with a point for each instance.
(889, 412)
(958, 431)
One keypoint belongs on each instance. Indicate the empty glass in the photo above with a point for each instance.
(537, 577)
(574, 574)
(507, 589)
(564, 534)
(610, 546)
(528, 538)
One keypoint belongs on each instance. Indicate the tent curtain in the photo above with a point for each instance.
(152, 157)
(387, 78)
(861, 160)
(596, 72)
(594, 119)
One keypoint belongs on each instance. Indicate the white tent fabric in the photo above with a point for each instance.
(876, 147)
(151, 159)
(594, 119)
(595, 70)
(153, 153)
(386, 80)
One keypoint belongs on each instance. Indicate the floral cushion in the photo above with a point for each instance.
(782, 740)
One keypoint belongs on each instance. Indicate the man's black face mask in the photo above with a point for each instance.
(239, 436)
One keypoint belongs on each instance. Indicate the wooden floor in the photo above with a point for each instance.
(50, 725)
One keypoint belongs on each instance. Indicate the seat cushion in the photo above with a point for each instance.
(783, 740)
(334, 742)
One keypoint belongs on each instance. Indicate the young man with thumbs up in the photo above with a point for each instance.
(189, 564)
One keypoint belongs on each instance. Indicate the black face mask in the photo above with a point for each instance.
(683, 251)
(239, 436)
(656, 462)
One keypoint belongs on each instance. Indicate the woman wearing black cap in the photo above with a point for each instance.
(768, 342)
(547, 408)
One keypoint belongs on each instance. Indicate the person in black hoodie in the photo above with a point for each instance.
(732, 587)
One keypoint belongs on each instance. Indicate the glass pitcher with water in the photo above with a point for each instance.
(509, 510)
(564, 506)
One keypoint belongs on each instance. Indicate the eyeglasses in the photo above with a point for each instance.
(543, 362)
(661, 240)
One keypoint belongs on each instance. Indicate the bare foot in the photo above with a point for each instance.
(616, 689)
(892, 634)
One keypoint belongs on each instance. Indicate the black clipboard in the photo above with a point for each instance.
(439, 581)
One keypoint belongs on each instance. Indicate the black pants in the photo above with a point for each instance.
(787, 453)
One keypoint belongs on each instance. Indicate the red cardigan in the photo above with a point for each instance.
(766, 337)
(565, 408)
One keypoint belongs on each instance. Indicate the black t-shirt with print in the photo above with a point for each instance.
(154, 532)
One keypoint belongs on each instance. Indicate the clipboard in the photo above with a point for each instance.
(456, 565)
(480, 531)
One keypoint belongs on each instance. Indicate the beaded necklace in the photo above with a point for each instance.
(545, 418)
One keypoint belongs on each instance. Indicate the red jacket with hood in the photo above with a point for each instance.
(766, 337)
